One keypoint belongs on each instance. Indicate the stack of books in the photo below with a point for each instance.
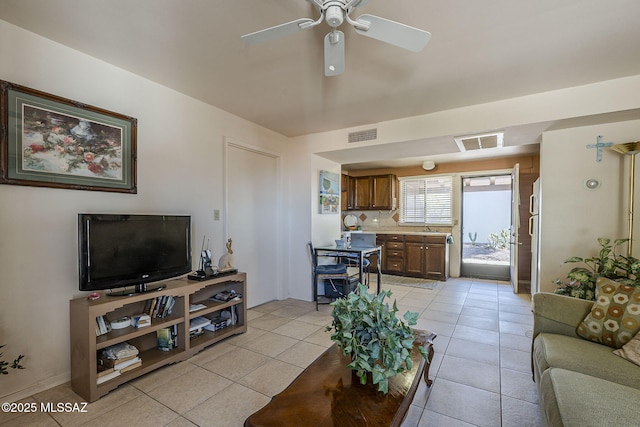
(197, 326)
(159, 307)
(116, 360)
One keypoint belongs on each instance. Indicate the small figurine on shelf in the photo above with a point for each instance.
(226, 260)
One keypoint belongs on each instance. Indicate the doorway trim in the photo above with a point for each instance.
(476, 174)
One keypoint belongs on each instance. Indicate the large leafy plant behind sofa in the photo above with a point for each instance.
(581, 280)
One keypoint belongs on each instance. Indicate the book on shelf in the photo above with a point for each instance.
(174, 335)
(196, 307)
(198, 323)
(123, 364)
(107, 377)
(165, 339)
(147, 306)
(131, 367)
(113, 363)
(159, 307)
(151, 307)
(103, 325)
(156, 306)
(168, 309)
(103, 370)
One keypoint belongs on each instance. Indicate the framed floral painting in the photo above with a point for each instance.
(49, 141)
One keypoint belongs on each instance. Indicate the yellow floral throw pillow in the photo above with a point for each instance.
(615, 316)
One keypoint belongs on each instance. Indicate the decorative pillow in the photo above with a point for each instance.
(615, 316)
(631, 350)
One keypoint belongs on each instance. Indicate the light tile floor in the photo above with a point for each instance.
(481, 368)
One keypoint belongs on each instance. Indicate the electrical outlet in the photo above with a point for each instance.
(216, 214)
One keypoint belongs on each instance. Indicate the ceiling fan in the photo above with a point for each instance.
(335, 12)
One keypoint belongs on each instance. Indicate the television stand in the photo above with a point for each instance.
(86, 346)
(140, 288)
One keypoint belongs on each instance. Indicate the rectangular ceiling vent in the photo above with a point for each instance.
(480, 142)
(363, 135)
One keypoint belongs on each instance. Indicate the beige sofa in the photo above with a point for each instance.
(580, 383)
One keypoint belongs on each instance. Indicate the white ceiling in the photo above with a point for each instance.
(480, 51)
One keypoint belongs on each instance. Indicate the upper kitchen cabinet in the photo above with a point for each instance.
(375, 192)
(347, 192)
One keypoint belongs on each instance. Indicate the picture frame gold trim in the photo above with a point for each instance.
(50, 141)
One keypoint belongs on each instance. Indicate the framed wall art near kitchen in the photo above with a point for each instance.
(329, 192)
(50, 141)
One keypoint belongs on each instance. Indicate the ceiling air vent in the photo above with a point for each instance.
(363, 135)
(480, 142)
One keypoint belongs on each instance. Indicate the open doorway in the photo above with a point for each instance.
(486, 226)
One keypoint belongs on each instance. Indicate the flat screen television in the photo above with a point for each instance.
(116, 251)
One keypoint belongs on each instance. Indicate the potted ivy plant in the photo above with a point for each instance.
(582, 279)
(13, 365)
(367, 330)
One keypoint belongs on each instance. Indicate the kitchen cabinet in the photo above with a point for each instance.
(373, 192)
(414, 251)
(436, 258)
(392, 253)
(416, 255)
(362, 192)
(347, 192)
(383, 194)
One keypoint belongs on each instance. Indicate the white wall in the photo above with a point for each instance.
(180, 168)
(572, 216)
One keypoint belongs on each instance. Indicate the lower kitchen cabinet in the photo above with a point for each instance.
(415, 256)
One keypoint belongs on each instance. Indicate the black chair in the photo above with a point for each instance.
(366, 266)
(331, 273)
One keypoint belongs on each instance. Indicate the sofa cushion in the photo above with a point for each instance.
(631, 350)
(615, 316)
(576, 354)
(573, 399)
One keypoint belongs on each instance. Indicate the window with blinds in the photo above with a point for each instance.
(426, 200)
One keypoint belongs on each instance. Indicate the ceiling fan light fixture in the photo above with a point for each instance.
(334, 16)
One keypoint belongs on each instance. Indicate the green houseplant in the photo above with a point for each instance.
(367, 329)
(13, 365)
(609, 264)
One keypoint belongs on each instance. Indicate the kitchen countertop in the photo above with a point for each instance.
(414, 233)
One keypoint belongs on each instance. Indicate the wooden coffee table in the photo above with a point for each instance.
(329, 394)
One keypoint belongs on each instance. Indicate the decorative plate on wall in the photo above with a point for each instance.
(350, 221)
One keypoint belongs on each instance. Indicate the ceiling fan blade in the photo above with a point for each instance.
(392, 32)
(334, 53)
(278, 31)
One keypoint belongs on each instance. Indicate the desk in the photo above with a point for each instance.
(328, 394)
(353, 252)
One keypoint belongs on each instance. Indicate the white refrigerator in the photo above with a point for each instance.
(534, 231)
